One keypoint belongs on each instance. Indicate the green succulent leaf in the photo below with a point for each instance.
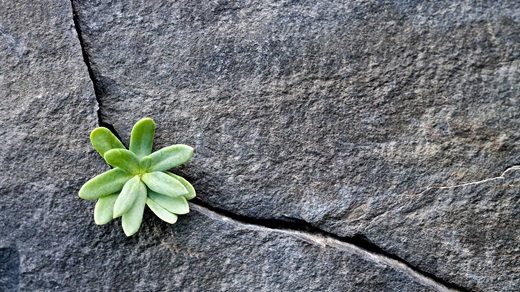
(145, 163)
(162, 213)
(191, 191)
(139, 178)
(124, 159)
(103, 140)
(164, 184)
(141, 139)
(176, 205)
(104, 184)
(131, 191)
(132, 219)
(103, 212)
(169, 157)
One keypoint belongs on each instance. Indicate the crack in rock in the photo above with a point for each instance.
(502, 176)
(95, 82)
(301, 230)
(304, 231)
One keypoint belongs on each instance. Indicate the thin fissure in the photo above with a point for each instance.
(98, 90)
(500, 177)
(301, 226)
(288, 224)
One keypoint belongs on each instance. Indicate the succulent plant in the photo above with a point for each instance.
(139, 178)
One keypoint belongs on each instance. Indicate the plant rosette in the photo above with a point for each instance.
(139, 178)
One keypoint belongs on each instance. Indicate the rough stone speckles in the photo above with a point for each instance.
(205, 253)
(334, 112)
(476, 220)
(48, 240)
(338, 113)
(46, 111)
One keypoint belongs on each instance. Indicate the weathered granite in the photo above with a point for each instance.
(470, 229)
(48, 239)
(9, 269)
(205, 254)
(47, 108)
(339, 113)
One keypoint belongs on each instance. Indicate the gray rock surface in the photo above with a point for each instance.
(471, 229)
(47, 109)
(338, 113)
(354, 117)
(205, 254)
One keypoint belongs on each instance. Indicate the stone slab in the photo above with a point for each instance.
(331, 112)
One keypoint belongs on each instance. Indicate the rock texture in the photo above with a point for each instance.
(469, 230)
(344, 145)
(337, 113)
(48, 107)
(207, 254)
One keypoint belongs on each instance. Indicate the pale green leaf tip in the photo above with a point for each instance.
(130, 233)
(101, 222)
(131, 230)
(109, 153)
(191, 150)
(117, 213)
(96, 130)
(144, 164)
(187, 147)
(114, 151)
(84, 194)
(81, 195)
(146, 120)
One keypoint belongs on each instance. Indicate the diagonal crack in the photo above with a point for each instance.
(98, 89)
(358, 244)
(418, 195)
(303, 230)
(502, 176)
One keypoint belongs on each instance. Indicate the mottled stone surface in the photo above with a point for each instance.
(469, 230)
(48, 240)
(335, 112)
(47, 108)
(342, 114)
(200, 254)
(9, 269)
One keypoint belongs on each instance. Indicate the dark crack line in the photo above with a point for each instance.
(290, 225)
(303, 227)
(98, 89)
